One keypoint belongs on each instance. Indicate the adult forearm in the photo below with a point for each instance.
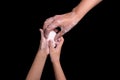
(59, 74)
(37, 67)
(84, 6)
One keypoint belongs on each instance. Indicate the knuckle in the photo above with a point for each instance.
(56, 15)
(58, 21)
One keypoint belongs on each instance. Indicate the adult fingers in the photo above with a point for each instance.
(51, 27)
(59, 34)
(48, 22)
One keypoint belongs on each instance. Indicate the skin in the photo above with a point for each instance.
(36, 69)
(55, 59)
(47, 48)
(68, 20)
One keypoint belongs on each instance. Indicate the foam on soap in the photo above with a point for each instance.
(51, 37)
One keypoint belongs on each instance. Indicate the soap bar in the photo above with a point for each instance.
(51, 37)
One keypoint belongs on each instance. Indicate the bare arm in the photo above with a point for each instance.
(84, 6)
(55, 59)
(59, 74)
(36, 69)
(68, 20)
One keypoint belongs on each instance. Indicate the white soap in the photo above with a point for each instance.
(51, 37)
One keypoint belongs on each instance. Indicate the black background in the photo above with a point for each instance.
(86, 53)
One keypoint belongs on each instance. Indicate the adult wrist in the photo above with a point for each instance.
(77, 15)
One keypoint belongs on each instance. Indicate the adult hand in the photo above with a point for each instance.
(65, 22)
